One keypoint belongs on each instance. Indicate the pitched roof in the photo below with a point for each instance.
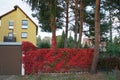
(15, 8)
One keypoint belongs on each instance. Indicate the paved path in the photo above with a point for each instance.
(9, 77)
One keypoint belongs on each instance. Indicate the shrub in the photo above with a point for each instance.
(109, 63)
(44, 44)
(27, 46)
(113, 49)
(60, 60)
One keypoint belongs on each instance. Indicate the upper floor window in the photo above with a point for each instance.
(11, 24)
(24, 35)
(24, 24)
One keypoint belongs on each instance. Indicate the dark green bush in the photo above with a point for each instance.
(113, 49)
(44, 44)
(109, 63)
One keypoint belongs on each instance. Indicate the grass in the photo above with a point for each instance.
(69, 76)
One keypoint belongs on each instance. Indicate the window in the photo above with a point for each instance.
(24, 24)
(10, 34)
(0, 22)
(11, 24)
(24, 34)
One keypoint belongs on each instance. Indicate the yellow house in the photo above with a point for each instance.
(16, 26)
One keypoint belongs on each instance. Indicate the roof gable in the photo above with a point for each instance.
(15, 8)
(7, 13)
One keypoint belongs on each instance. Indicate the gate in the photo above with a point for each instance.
(10, 58)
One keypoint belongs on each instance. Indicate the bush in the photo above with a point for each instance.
(27, 46)
(113, 49)
(109, 63)
(60, 60)
(44, 44)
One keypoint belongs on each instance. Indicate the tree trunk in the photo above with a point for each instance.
(110, 26)
(116, 73)
(76, 23)
(52, 23)
(66, 32)
(81, 22)
(97, 37)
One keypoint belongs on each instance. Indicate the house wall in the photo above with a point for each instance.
(31, 28)
(4, 30)
(17, 16)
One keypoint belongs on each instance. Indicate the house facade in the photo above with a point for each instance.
(16, 26)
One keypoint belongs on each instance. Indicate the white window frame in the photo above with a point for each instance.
(11, 26)
(0, 22)
(10, 34)
(24, 35)
(24, 25)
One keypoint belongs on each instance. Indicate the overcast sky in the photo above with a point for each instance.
(7, 5)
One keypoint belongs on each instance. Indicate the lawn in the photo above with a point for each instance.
(69, 76)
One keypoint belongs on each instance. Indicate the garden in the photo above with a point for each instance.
(99, 18)
(65, 64)
(59, 60)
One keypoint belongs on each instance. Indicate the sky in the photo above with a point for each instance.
(8, 5)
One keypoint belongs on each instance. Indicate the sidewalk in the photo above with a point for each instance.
(9, 77)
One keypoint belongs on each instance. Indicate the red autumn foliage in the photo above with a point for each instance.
(59, 66)
(50, 60)
(27, 46)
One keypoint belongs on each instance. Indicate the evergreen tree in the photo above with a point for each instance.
(38, 40)
(112, 7)
(49, 13)
(67, 22)
(81, 21)
(97, 37)
(60, 40)
(70, 41)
